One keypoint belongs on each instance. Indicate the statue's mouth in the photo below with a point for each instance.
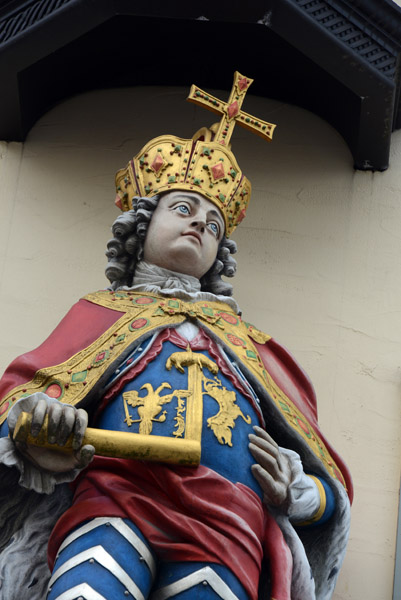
(195, 235)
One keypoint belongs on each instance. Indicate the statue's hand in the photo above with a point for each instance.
(64, 420)
(273, 471)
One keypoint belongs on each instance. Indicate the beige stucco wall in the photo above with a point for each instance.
(319, 269)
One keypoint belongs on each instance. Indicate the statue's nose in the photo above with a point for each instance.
(198, 224)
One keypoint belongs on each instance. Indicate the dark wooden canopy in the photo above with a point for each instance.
(337, 58)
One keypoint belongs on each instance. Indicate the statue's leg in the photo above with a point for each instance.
(103, 559)
(203, 581)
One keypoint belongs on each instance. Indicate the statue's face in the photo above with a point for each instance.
(184, 233)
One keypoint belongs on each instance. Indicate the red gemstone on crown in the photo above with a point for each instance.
(118, 202)
(241, 216)
(218, 171)
(233, 109)
(242, 84)
(157, 163)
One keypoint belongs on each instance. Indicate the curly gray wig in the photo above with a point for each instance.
(125, 250)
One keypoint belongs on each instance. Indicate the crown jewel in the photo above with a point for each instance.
(203, 164)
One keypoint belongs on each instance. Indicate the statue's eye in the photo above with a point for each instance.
(214, 227)
(183, 208)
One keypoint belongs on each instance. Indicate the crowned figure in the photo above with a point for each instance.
(157, 445)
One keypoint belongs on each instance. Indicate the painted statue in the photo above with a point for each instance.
(203, 472)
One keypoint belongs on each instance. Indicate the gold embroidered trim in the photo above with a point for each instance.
(258, 336)
(71, 381)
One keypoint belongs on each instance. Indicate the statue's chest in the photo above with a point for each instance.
(182, 394)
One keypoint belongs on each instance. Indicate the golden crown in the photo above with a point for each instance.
(203, 164)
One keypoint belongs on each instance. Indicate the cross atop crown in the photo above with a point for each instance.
(231, 112)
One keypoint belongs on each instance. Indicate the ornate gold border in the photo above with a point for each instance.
(143, 314)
